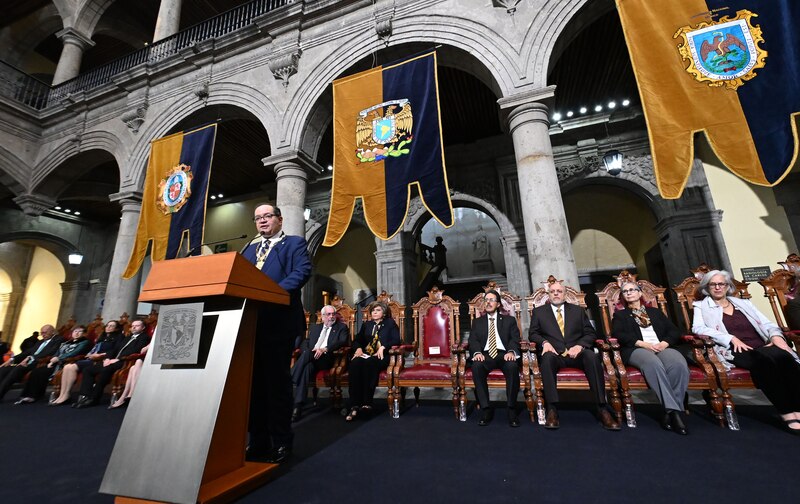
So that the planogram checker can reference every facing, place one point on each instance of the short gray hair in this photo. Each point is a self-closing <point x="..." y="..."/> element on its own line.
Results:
<point x="703" y="287"/>
<point x="322" y="310"/>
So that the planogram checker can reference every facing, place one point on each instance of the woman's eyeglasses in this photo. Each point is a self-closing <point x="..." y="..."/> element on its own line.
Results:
<point x="715" y="285"/>
<point x="628" y="291"/>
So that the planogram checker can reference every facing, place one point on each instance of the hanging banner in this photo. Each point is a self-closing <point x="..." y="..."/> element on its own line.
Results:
<point x="174" y="199"/>
<point x="387" y="136"/>
<point x="728" y="68"/>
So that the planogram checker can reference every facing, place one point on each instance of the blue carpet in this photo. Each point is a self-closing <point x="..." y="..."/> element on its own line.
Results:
<point x="58" y="455"/>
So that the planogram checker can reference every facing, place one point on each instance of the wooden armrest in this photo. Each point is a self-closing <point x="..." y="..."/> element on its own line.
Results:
<point x="132" y="357"/>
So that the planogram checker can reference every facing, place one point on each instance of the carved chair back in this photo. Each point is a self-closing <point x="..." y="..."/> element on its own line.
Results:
<point x="397" y="310"/>
<point x="687" y="292"/>
<point x="781" y="286"/>
<point x="436" y="327"/>
<point x="540" y="297"/>
<point x="610" y="297"/>
<point x="344" y="313"/>
<point x="510" y="304"/>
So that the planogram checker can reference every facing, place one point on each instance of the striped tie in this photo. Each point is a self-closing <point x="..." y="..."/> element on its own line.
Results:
<point x="492" y="339"/>
<point x="560" y="320"/>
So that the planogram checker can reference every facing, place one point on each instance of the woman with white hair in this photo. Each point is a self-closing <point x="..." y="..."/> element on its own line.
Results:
<point x="745" y="338"/>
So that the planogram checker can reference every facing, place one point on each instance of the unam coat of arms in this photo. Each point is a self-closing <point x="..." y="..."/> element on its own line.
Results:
<point x="384" y="131"/>
<point x="174" y="189"/>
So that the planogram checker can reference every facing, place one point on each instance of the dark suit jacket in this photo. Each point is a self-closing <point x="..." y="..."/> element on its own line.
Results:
<point x="577" y="328"/>
<point x="388" y="334"/>
<point x="121" y="350"/>
<point x="627" y="331"/>
<point x="289" y="266"/>
<point x="507" y="330"/>
<point x="48" y="351"/>
<point x="336" y="339"/>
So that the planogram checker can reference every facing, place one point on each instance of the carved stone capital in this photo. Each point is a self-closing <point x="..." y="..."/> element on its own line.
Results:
<point x="201" y="91"/>
<point x="509" y="5"/>
<point x="383" y="13"/>
<point x="134" y="117"/>
<point x="74" y="37"/>
<point x="34" y="204"/>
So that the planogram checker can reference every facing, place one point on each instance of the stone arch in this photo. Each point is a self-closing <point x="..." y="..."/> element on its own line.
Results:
<point x="475" y="49"/>
<point x="90" y="140"/>
<point x="44" y="23"/>
<point x="57" y="245"/>
<point x="86" y="18"/>
<point x="419" y="215"/>
<point x="248" y="98"/>
<point x="14" y="173"/>
<point x="317" y="226"/>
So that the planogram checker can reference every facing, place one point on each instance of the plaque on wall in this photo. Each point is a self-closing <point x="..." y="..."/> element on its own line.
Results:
<point x="755" y="273"/>
<point x="178" y="334"/>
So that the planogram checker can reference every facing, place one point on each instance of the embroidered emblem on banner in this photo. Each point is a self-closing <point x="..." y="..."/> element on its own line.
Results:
<point x="384" y="130"/>
<point x="723" y="52"/>
<point x="175" y="189"/>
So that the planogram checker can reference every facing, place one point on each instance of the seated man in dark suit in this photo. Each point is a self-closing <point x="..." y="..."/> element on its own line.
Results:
<point x="317" y="354"/>
<point x="99" y="374"/>
<point x="564" y="338"/>
<point x="493" y="344"/>
<point x="15" y="369"/>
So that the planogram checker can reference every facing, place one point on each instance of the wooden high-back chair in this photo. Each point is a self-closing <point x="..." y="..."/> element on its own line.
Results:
<point x="435" y="351"/>
<point x="569" y="378"/>
<point x="781" y="286"/>
<point x="610" y="297"/>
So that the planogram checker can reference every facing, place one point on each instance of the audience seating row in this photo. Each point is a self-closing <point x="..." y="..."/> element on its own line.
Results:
<point x="437" y="357"/>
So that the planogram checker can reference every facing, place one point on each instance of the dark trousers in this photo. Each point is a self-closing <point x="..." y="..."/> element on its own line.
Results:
<point x="305" y="370"/>
<point x="96" y="377"/>
<point x="10" y="375"/>
<point x="364" y="374"/>
<point x="587" y="360"/>
<point x="480" y="374"/>
<point x="37" y="382"/>
<point x="271" y="392"/>
<point x="776" y="373"/>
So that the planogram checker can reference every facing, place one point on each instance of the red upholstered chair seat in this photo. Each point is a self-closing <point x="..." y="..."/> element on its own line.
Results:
<point x="739" y="374"/>
<point x="634" y="375"/>
<point x="322" y="375"/>
<point x="571" y="374"/>
<point x="427" y="371"/>
<point x="696" y="374"/>
<point x="383" y="377"/>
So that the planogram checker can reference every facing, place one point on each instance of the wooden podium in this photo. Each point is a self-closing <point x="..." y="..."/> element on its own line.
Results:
<point x="184" y="435"/>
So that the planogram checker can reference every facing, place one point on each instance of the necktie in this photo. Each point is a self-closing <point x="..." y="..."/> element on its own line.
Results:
<point x="323" y="338"/>
<point x="560" y="320"/>
<point x="492" y="339"/>
<point x="119" y="354"/>
<point x="261" y="253"/>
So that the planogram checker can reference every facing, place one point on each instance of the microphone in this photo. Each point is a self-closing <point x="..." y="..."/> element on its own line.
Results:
<point x="191" y="250"/>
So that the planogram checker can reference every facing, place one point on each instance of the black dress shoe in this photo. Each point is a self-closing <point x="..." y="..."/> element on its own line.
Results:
<point x="278" y="455"/>
<point x="297" y="413"/>
<point x="608" y="421"/>
<point x="513" y="419"/>
<point x="81" y="399"/>
<point x="666" y="422"/>
<point x="486" y="417"/>
<point x="88" y="403"/>
<point x="677" y="423"/>
<point x="551" y="421"/>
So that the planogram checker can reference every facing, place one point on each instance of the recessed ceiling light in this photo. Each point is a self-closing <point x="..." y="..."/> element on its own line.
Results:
<point x="582" y="110"/>
<point x="77" y="213"/>
<point x="219" y="195"/>
<point x="598" y="108"/>
<point x="213" y="197"/>
<point x="67" y="210"/>
<point x="625" y="103"/>
<point x="330" y="168"/>
<point x="556" y="116"/>
<point x="570" y="113"/>
<point x="58" y="208"/>
<point x="612" y="104"/>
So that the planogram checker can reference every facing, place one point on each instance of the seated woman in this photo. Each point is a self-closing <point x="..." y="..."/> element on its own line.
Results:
<point x="371" y="356"/>
<point x="792" y="308"/>
<point x="745" y="338"/>
<point x="69" y="374"/>
<point x="39" y="378"/>
<point x="130" y="382"/>
<point x="645" y="336"/>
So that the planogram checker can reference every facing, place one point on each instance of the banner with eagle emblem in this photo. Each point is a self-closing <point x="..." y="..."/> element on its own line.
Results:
<point x="387" y="137"/>
<point x="174" y="199"/>
<point x="727" y="68"/>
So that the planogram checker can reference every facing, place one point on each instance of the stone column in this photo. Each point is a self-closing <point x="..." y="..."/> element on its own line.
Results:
<point x="121" y="294"/>
<point x="70" y="294"/>
<point x="292" y="170"/>
<point x="69" y="64"/>
<point x="169" y="19"/>
<point x="396" y="263"/>
<point x="546" y="232"/>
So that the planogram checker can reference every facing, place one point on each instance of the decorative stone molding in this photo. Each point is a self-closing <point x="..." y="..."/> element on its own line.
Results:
<point x="384" y="12"/>
<point x="509" y="5"/>
<point x="201" y="91"/>
<point x="34" y="205"/>
<point x="284" y="65"/>
<point x="134" y="117"/>
<point x="70" y="35"/>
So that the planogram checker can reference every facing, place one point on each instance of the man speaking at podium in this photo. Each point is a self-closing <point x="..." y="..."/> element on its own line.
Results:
<point x="285" y="260"/>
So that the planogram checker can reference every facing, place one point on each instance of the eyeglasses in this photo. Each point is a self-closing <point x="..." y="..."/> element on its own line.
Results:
<point x="491" y="300"/>
<point x="329" y="314"/>
<point x="715" y="285"/>
<point x="628" y="291"/>
<point x="264" y="217"/>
